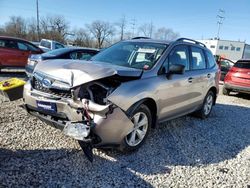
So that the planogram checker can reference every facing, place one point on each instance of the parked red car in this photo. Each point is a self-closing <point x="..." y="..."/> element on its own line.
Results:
<point x="238" y="78"/>
<point x="14" y="52"/>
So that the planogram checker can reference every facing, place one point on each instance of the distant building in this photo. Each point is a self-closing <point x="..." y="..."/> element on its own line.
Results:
<point x="246" y="53"/>
<point x="233" y="50"/>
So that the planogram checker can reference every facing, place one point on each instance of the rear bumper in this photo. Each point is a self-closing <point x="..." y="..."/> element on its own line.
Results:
<point x="237" y="87"/>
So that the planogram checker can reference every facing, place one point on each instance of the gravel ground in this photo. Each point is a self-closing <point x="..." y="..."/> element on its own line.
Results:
<point x="186" y="152"/>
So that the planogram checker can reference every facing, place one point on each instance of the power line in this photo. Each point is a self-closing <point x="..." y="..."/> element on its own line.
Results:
<point x="221" y="17"/>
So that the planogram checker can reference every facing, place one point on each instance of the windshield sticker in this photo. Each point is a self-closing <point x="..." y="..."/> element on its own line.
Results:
<point x="146" y="50"/>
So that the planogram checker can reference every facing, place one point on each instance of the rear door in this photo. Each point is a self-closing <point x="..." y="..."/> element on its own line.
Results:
<point x="199" y="75"/>
<point x="24" y="52"/>
<point x="10" y="54"/>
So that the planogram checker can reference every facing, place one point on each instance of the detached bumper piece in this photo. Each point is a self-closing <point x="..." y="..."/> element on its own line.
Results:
<point x="87" y="150"/>
<point x="80" y="132"/>
<point x="77" y="130"/>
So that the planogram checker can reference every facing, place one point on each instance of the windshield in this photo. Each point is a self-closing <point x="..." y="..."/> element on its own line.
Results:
<point x="56" y="52"/>
<point x="139" y="55"/>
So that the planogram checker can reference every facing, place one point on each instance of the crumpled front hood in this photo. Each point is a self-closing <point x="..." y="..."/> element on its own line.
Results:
<point x="77" y="72"/>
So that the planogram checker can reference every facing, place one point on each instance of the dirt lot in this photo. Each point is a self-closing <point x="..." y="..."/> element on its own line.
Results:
<point x="186" y="152"/>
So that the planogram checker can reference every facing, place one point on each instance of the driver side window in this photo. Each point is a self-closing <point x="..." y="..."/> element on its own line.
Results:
<point x="179" y="55"/>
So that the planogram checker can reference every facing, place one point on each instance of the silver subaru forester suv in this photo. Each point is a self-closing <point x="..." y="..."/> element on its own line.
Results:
<point x="116" y="98"/>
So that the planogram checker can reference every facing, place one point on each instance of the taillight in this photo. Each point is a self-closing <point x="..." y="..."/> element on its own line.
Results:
<point x="232" y="70"/>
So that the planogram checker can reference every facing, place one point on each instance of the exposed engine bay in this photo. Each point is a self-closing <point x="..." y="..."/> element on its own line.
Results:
<point x="98" y="91"/>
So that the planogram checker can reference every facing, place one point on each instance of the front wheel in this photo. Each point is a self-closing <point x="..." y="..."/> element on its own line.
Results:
<point x="142" y="120"/>
<point x="207" y="106"/>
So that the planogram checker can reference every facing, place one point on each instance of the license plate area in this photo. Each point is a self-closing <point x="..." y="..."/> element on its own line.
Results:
<point x="46" y="106"/>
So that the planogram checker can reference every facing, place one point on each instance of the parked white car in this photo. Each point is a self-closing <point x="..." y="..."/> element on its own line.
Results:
<point x="47" y="45"/>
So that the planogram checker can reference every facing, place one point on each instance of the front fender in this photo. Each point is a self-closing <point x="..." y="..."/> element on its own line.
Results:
<point x="129" y="93"/>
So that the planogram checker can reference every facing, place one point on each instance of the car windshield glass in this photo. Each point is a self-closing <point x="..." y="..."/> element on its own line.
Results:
<point x="139" y="55"/>
<point x="243" y="64"/>
<point x="56" y="52"/>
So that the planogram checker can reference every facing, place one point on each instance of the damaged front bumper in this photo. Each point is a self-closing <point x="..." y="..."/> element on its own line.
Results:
<point x="107" y="124"/>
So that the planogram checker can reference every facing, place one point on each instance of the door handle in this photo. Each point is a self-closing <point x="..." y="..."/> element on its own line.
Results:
<point x="208" y="75"/>
<point x="190" y="80"/>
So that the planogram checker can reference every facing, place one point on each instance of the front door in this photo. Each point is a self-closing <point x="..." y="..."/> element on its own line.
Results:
<point x="176" y="92"/>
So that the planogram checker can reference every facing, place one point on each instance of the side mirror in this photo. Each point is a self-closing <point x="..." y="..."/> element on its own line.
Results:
<point x="177" y="69"/>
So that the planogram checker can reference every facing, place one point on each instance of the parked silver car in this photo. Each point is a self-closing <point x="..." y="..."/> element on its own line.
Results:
<point x="125" y="91"/>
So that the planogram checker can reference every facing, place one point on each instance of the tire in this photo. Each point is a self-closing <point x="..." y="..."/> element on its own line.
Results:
<point x="207" y="106"/>
<point x="225" y="91"/>
<point x="133" y="141"/>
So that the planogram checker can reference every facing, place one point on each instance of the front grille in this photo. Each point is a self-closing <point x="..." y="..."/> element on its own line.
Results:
<point x="56" y="92"/>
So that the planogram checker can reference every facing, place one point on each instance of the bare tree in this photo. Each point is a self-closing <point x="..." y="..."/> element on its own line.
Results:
<point x="83" y="38"/>
<point x="101" y="31"/>
<point x="16" y="27"/>
<point x="166" y="34"/>
<point x="32" y="30"/>
<point x="54" y="27"/>
<point x="146" y="29"/>
<point x="122" y="26"/>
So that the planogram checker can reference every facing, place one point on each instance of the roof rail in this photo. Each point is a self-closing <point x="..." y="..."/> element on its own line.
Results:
<point x="140" y="38"/>
<point x="190" y="40"/>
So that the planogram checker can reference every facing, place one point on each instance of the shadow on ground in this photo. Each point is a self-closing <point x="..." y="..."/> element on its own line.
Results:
<point x="186" y="141"/>
<point x="241" y="95"/>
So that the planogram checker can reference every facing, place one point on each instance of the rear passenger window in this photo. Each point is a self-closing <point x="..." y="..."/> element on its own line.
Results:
<point x="179" y="55"/>
<point x="80" y="55"/>
<point x="58" y="46"/>
<point x="211" y="59"/>
<point x="22" y="46"/>
<point x="198" y="58"/>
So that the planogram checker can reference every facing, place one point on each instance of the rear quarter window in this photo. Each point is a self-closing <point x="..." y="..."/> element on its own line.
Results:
<point x="210" y="59"/>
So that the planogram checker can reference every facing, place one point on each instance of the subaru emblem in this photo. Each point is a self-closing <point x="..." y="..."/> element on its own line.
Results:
<point x="47" y="83"/>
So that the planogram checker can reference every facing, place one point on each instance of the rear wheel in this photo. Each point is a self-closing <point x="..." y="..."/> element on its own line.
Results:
<point x="142" y="120"/>
<point x="225" y="91"/>
<point x="207" y="106"/>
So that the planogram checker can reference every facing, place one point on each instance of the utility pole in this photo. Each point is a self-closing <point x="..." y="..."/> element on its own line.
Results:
<point x="37" y="21"/>
<point x="221" y="17"/>
<point x="133" y="23"/>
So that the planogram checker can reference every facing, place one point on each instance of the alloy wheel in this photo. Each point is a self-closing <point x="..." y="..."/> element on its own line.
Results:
<point x="208" y="104"/>
<point x="139" y="131"/>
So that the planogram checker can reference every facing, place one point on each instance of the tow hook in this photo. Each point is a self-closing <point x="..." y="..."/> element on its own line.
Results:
<point x="87" y="149"/>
